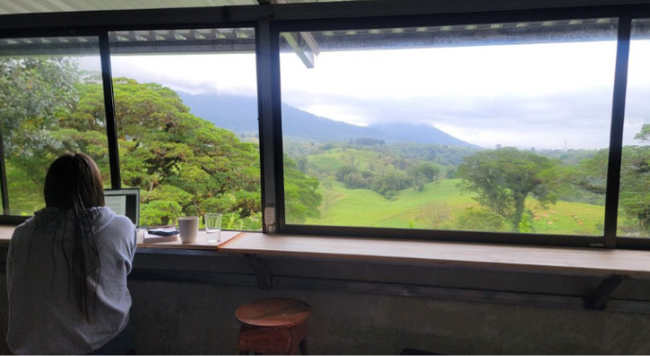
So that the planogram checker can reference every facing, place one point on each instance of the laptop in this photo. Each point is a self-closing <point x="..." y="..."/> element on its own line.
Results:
<point x="124" y="202"/>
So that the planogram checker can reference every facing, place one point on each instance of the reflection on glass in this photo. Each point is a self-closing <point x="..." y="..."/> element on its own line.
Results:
<point x="51" y="101"/>
<point x="186" y="116"/>
<point x="492" y="127"/>
<point x="634" y="200"/>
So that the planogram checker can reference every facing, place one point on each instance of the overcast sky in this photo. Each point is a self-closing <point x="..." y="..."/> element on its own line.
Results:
<point x="537" y="95"/>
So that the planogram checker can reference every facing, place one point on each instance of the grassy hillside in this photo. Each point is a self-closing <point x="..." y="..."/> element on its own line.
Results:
<point x="332" y="160"/>
<point x="412" y="209"/>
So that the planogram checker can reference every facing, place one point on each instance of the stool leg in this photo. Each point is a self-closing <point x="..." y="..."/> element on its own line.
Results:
<point x="240" y="343"/>
<point x="303" y="347"/>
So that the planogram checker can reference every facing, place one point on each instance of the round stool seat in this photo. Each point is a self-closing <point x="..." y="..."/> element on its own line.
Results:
<point x="273" y="326"/>
<point x="273" y="313"/>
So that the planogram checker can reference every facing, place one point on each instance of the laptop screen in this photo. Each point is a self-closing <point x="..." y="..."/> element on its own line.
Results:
<point x="124" y="202"/>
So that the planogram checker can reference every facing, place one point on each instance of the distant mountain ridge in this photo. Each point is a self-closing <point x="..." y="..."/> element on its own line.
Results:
<point x="239" y="114"/>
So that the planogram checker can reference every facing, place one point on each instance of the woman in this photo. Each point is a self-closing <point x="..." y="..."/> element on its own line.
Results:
<point x="67" y="268"/>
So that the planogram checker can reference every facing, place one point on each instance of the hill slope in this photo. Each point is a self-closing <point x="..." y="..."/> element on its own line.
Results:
<point x="239" y="114"/>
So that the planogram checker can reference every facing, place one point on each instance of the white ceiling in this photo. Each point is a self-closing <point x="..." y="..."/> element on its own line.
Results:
<point x="34" y="6"/>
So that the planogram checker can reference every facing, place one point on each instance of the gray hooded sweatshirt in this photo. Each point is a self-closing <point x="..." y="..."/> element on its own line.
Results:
<point x="43" y="315"/>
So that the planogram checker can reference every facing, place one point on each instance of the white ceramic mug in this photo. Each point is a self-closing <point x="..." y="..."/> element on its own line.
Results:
<point x="188" y="227"/>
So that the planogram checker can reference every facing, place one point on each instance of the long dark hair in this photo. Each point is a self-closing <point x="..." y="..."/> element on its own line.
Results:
<point x="74" y="186"/>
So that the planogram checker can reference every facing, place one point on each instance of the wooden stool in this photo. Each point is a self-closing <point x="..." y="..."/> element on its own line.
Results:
<point x="273" y="326"/>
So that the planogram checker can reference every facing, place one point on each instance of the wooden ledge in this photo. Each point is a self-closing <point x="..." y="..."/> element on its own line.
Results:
<point x="554" y="260"/>
<point x="200" y="244"/>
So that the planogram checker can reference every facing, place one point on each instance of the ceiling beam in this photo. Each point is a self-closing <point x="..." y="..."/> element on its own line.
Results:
<point x="307" y="57"/>
<point x="83" y="5"/>
<point x="12" y="7"/>
<point x="38" y="6"/>
<point x="303" y="43"/>
<point x="246" y="15"/>
<point x="61" y="6"/>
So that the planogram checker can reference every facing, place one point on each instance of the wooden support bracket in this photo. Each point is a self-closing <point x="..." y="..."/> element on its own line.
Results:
<point x="261" y="271"/>
<point x="598" y="299"/>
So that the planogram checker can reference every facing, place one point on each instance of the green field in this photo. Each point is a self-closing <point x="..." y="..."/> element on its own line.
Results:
<point x="410" y="209"/>
<point x="332" y="160"/>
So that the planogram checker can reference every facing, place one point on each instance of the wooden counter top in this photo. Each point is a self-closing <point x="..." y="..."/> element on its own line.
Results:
<point x="200" y="244"/>
<point x="572" y="261"/>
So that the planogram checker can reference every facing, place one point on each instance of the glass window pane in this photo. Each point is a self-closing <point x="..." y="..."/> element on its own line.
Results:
<point x="484" y="127"/>
<point x="51" y="101"/>
<point x="634" y="200"/>
<point x="186" y="116"/>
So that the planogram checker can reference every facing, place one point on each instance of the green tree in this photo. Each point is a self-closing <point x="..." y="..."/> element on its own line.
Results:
<point x="301" y="196"/>
<point x="423" y="173"/>
<point x="590" y="174"/>
<point x="481" y="220"/>
<point x="504" y="178"/>
<point x="175" y="157"/>
<point x="391" y="183"/>
<point x="43" y="115"/>
<point x="634" y="195"/>
<point x="343" y="172"/>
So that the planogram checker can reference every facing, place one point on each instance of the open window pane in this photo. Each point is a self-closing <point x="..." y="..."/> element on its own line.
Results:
<point x="498" y="127"/>
<point x="51" y="101"/>
<point x="186" y="116"/>
<point x="634" y="200"/>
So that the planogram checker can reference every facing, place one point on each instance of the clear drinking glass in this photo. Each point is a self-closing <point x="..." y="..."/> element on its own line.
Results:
<point x="212" y="228"/>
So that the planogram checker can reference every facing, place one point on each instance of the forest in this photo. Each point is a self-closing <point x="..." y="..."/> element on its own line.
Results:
<point x="179" y="161"/>
<point x="185" y="163"/>
<point x="460" y="188"/>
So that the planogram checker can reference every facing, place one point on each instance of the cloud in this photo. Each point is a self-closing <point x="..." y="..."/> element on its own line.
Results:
<point x="583" y="119"/>
<point x="538" y="95"/>
<point x="196" y="74"/>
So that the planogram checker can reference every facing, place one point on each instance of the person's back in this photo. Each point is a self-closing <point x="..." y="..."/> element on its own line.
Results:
<point x="43" y="316"/>
<point x="66" y="280"/>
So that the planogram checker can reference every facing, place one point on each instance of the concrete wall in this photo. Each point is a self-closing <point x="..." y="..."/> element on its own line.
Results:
<point x="198" y="318"/>
<point x="173" y="317"/>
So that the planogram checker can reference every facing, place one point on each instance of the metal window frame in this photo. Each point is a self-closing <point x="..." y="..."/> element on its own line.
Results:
<point x="622" y="242"/>
<point x="6" y="218"/>
<point x="109" y="107"/>
<point x="269" y="20"/>
<point x="268" y="130"/>
<point x="609" y="237"/>
<point x="616" y="131"/>
<point x="102" y="35"/>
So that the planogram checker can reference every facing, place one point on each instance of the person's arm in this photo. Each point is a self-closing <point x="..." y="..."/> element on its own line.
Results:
<point x="132" y="247"/>
<point x="129" y="244"/>
<point x="10" y="258"/>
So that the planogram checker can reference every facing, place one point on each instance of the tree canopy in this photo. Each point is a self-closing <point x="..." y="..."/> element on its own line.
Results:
<point x="504" y="178"/>
<point x="181" y="163"/>
<point x="634" y="193"/>
<point x="40" y="110"/>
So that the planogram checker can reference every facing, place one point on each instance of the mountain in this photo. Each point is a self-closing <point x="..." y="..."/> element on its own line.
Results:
<point x="421" y="134"/>
<point x="239" y="114"/>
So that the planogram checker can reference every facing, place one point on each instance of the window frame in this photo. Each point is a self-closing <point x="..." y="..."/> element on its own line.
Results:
<point x="8" y="219"/>
<point x="623" y="242"/>
<point x="102" y="35"/>
<point x="609" y="238"/>
<point x="269" y="20"/>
